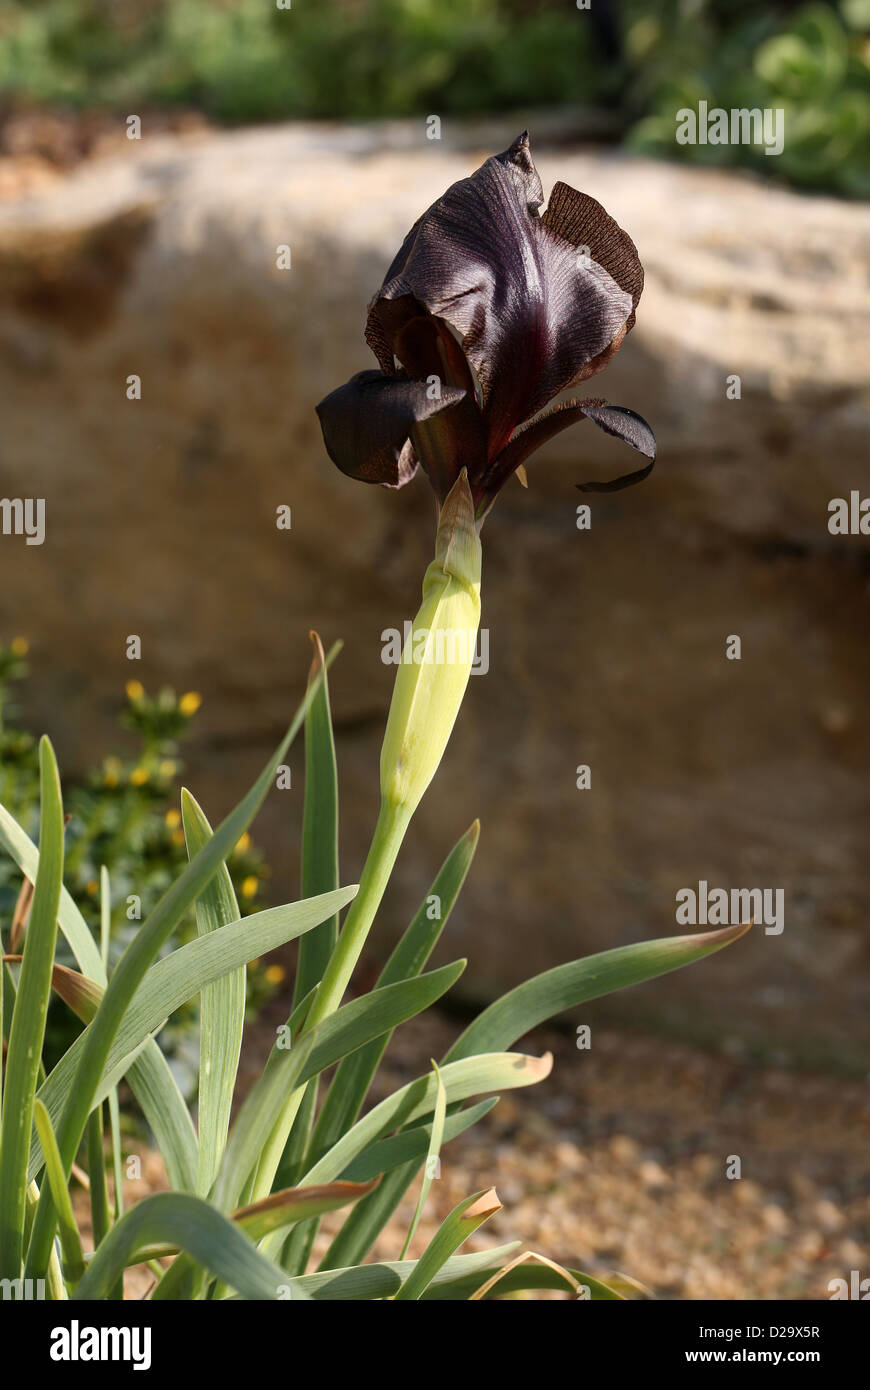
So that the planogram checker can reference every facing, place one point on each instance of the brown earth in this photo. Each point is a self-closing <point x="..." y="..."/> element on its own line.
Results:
<point x="617" y="1162"/>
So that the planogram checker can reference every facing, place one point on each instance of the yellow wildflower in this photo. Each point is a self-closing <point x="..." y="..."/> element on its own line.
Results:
<point x="111" y="772"/>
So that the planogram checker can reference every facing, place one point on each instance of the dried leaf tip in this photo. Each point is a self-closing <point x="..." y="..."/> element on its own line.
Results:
<point x="540" y="1067"/>
<point x="472" y="834"/>
<point x="20" y="915"/>
<point x="486" y="1205"/>
<point x="318" y="658"/>
<point x="725" y="935"/>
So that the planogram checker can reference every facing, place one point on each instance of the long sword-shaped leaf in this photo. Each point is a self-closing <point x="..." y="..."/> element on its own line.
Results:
<point x="362" y="1282"/>
<point x="21" y="848"/>
<point x="179" y="977"/>
<point x="185" y="1221"/>
<point x="319" y="875"/>
<point x="114" y="1109"/>
<point x="70" y="1240"/>
<point x="348" y="1028"/>
<point x="353" y="1078"/>
<point x="473" y="1076"/>
<point x="319" y="826"/>
<point x="525" y="1276"/>
<point x="128" y="975"/>
<point x="151" y="1082"/>
<point x="278" y="1211"/>
<point x="150" y="1077"/>
<point x="432" y="1159"/>
<point x="413" y="1143"/>
<point x="510" y="1018"/>
<point x="222" y="1008"/>
<point x="369" y="1217"/>
<point x="28" y="1019"/>
<point x="462" y="1222"/>
<point x="163" y="1107"/>
<point x="282" y="1209"/>
<point x="566" y="986"/>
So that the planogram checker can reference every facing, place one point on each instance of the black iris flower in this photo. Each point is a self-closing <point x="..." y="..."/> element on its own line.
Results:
<point x="488" y="312"/>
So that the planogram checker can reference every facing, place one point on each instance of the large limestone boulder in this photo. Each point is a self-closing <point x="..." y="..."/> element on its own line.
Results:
<point x="607" y="646"/>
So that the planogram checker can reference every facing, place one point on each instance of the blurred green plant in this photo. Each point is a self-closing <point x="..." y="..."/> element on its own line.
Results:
<point x="813" y="64"/>
<point x="245" y="60"/>
<point x="122" y="816"/>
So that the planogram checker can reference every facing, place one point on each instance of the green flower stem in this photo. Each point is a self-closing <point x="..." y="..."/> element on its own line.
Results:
<point x="54" y="1274"/>
<point x="431" y="680"/>
<point x="430" y="683"/>
<point x="386" y="843"/>
<point x="387" y="840"/>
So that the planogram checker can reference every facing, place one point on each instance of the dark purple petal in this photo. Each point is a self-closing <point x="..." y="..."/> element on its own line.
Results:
<point x="531" y="314"/>
<point x="581" y="220"/>
<point x="634" y="430"/>
<point x="614" y="419"/>
<point x="367" y="425"/>
<point x="617" y="484"/>
<point x="456" y="438"/>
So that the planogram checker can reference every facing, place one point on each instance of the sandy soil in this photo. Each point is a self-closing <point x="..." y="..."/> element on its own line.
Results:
<point x="618" y="1162"/>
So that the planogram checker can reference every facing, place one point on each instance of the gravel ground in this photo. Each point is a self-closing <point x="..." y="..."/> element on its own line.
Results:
<point x="618" y="1162"/>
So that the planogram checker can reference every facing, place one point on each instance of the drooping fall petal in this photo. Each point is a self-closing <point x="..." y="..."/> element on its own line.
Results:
<point x="613" y="419"/>
<point x="367" y="424"/>
<point x="632" y="429"/>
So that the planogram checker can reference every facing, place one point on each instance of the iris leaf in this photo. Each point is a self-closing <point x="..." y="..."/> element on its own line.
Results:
<point x="28" y="1018"/>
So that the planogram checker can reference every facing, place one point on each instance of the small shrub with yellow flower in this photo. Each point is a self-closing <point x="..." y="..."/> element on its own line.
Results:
<point x="121" y="815"/>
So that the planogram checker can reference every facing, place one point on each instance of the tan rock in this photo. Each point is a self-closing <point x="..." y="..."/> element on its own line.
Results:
<point x="606" y="648"/>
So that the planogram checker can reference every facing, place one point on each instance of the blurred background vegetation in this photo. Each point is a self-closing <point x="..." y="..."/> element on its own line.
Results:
<point x="247" y="60"/>
<point x="123" y="815"/>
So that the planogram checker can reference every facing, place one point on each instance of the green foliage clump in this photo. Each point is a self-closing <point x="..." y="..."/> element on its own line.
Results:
<point x="813" y="64"/>
<point x="246" y="60"/>
<point x="248" y="1193"/>
<point x="122" y="815"/>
